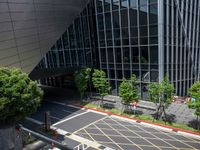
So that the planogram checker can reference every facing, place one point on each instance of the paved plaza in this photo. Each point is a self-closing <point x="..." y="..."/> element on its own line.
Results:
<point x="101" y="131"/>
<point x="181" y="112"/>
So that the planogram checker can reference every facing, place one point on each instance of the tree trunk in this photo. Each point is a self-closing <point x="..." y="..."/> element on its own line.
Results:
<point x="158" y="112"/>
<point x="198" y="123"/>
<point x="101" y="105"/>
<point x="165" y="115"/>
<point x="10" y="139"/>
<point x="81" y="97"/>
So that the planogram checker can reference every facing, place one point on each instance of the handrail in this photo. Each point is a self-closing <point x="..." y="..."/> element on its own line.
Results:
<point x="46" y="139"/>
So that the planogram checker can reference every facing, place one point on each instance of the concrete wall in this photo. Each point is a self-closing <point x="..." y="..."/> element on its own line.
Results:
<point x="10" y="139"/>
<point x="28" y="28"/>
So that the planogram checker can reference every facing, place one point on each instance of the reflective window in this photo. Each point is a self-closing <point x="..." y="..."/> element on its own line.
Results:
<point x="133" y="3"/>
<point x="124" y="4"/>
<point x="100" y="22"/>
<point x="143" y="18"/>
<point x="107" y="5"/>
<point x="116" y="33"/>
<point x="126" y="55"/>
<point x="115" y="19"/>
<point x="118" y="55"/>
<point x="108" y="20"/>
<point x="134" y="32"/>
<point x="154" y="54"/>
<point x="133" y="17"/>
<point x="115" y="4"/>
<point x="99" y="6"/>
<point x="124" y="18"/>
<point x="124" y="32"/>
<point x="153" y="30"/>
<point x="142" y="2"/>
<point x="144" y="55"/>
<point x="153" y="14"/>
<point x="103" y="54"/>
<point x="135" y="54"/>
<point x="110" y="55"/>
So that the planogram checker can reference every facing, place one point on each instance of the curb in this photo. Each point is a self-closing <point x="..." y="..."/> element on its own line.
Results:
<point x="165" y="127"/>
<point x="151" y="124"/>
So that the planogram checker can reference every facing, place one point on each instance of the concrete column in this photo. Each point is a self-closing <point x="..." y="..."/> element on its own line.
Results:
<point x="10" y="138"/>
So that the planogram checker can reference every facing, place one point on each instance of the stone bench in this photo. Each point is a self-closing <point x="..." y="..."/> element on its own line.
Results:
<point x="108" y="103"/>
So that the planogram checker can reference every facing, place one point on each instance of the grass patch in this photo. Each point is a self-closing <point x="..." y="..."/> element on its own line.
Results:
<point x="143" y="117"/>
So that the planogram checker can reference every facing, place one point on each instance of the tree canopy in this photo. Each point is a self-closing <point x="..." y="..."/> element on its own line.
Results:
<point x="81" y="79"/>
<point x="19" y="95"/>
<point x="100" y="82"/>
<point x="194" y="92"/>
<point x="128" y="90"/>
<point x="161" y="94"/>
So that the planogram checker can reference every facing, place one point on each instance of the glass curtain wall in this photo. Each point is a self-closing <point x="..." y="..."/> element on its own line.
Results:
<point x="76" y="47"/>
<point x="182" y="43"/>
<point x="128" y="41"/>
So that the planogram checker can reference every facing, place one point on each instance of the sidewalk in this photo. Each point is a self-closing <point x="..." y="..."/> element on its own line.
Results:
<point x="181" y="111"/>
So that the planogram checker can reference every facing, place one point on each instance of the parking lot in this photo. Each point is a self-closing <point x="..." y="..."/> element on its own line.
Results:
<point x="107" y="132"/>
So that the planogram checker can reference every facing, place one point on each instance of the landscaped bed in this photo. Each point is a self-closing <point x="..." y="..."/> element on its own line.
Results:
<point x="146" y="118"/>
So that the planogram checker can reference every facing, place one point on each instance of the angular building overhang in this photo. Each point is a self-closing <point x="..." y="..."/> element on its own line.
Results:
<point x="28" y="29"/>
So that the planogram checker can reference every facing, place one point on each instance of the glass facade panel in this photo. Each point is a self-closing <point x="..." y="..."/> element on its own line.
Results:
<point x="122" y="37"/>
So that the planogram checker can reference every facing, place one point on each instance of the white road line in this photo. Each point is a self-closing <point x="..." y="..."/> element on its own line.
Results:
<point x="156" y="126"/>
<point x="125" y="119"/>
<point x="104" y="134"/>
<point x="74" y="106"/>
<point x="34" y="120"/>
<point x="85" y="141"/>
<point x="68" y="111"/>
<point x="134" y="132"/>
<point x="63" y="104"/>
<point x="55" y="102"/>
<point x="79" y="139"/>
<point x="97" y="112"/>
<point x="69" y="118"/>
<point x="188" y="134"/>
<point x="55" y="118"/>
<point x="60" y="131"/>
<point x="122" y="135"/>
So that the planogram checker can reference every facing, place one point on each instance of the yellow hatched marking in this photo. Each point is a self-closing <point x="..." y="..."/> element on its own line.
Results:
<point x="136" y="133"/>
<point x="108" y="137"/>
<point x="156" y="137"/>
<point x="179" y="141"/>
<point x="89" y="135"/>
<point x="88" y="125"/>
<point x="122" y="135"/>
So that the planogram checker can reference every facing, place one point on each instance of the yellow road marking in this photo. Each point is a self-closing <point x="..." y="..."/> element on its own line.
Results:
<point x="136" y="133"/>
<point x="88" y="125"/>
<point x="122" y="135"/>
<point x="89" y="135"/>
<point x="109" y="138"/>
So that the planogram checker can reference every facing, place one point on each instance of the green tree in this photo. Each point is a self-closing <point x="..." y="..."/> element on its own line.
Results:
<point x="161" y="94"/>
<point x="81" y="80"/>
<point x="19" y="97"/>
<point x="100" y="82"/>
<point x="128" y="91"/>
<point x="194" y="92"/>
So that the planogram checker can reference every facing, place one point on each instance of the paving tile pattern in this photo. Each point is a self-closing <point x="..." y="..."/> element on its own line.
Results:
<point x="122" y="135"/>
<point x="181" y="111"/>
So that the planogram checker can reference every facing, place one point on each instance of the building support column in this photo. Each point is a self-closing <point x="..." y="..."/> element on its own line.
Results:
<point x="161" y="39"/>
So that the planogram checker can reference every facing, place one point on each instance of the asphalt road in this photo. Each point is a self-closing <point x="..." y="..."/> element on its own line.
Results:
<point x="109" y="132"/>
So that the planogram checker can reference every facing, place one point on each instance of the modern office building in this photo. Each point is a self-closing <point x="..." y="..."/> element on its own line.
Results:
<point x="148" y="38"/>
<point x="29" y="28"/>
